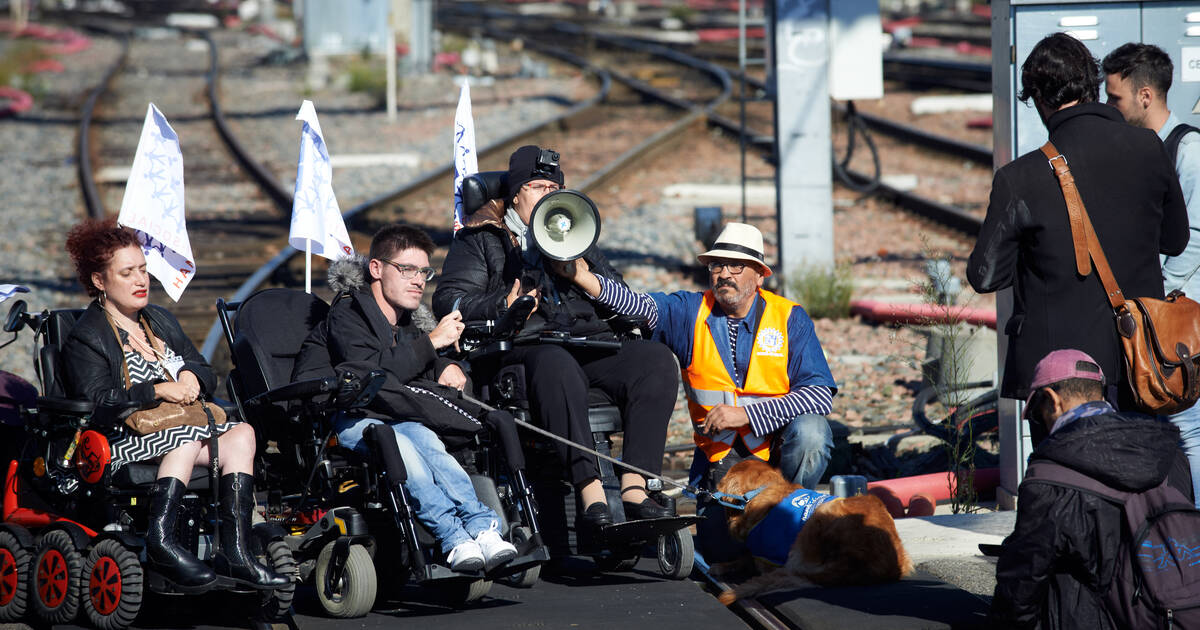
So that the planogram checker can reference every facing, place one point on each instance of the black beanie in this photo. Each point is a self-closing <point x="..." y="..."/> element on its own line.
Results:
<point x="523" y="168"/>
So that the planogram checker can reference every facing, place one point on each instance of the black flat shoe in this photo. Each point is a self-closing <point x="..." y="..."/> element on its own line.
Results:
<point x="647" y="509"/>
<point x="596" y="515"/>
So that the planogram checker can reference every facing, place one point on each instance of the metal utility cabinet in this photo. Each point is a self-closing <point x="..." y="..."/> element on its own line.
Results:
<point x="1017" y="25"/>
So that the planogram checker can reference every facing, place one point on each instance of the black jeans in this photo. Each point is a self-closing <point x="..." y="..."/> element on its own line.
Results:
<point x="642" y="380"/>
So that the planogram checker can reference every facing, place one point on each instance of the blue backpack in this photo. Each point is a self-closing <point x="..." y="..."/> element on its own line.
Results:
<point x="1156" y="583"/>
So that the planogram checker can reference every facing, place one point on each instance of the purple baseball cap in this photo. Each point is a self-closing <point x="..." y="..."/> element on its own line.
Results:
<point x="1061" y="365"/>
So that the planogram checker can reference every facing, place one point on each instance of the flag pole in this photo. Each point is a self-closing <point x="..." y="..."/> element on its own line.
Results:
<point x="308" y="265"/>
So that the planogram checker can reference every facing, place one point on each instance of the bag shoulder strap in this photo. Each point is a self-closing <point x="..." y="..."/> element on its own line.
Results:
<point x="1175" y="137"/>
<point x="1044" y="470"/>
<point x="1083" y="235"/>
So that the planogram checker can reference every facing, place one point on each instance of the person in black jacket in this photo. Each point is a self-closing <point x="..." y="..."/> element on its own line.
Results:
<point x="374" y="325"/>
<point x="1129" y="188"/>
<point x="490" y="264"/>
<point x="125" y="353"/>
<point x="1058" y="562"/>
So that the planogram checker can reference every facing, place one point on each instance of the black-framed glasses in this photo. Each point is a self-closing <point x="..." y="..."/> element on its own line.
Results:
<point x="543" y="188"/>
<point x="734" y="268"/>
<point x="408" y="272"/>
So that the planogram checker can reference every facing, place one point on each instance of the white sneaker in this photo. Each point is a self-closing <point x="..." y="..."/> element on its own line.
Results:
<point x="465" y="556"/>
<point x="496" y="550"/>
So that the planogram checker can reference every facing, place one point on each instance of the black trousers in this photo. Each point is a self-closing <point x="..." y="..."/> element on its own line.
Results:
<point x="642" y="379"/>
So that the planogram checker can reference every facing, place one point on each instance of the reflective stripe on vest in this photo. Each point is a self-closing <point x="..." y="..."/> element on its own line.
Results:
<point x="707" y="383"/>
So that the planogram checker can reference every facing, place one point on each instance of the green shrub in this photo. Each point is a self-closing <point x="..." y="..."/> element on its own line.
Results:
<point x="824" y="293"/>
<point x="369" y="77"/>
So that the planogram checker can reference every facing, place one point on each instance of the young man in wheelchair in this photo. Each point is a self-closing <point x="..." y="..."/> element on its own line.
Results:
<point x="374" y="327"/>
<point x="491" y="263"/>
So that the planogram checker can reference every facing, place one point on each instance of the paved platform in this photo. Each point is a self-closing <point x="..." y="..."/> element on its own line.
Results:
<point x="575" y="597"/>
<point x="947" y="547"/>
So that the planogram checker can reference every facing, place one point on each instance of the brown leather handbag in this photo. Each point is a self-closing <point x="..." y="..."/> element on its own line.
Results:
<point x="167" y="415"/>
<point x="1157" y="336"/>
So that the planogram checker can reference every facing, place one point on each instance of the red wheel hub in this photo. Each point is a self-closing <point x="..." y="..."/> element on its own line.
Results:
<point x="52" y="579"/>
<point x="8" y="577"/>
<point x="105" y="586"/>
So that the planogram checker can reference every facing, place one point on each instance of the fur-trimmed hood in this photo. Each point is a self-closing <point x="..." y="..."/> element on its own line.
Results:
<point x="349" y="275"/>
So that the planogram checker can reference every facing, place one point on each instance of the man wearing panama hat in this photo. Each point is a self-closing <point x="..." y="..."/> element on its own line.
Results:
<point x="756" y="378"/>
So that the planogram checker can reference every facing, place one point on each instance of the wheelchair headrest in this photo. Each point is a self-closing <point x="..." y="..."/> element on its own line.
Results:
<point x="270" y="327"/>
<point x="58" y="327"/>
<point x="481" y="188"/>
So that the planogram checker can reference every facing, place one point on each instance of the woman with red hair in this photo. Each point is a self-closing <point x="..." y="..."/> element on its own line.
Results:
<point x="126" y="352"/>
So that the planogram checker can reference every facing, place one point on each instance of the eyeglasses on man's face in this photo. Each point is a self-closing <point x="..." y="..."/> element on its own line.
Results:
<point x="541" y="188"/>
<point x="408" y="272"/>
<point x="734" y="268"/>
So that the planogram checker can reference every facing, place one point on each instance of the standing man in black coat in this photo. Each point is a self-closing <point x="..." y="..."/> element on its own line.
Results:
<point x="1129" y="188"/>
<point x="490" y="264"/>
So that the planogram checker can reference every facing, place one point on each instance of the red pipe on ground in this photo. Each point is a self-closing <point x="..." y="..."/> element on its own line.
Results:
<point x="896" y="494"/>
<point x="922" y="314"/>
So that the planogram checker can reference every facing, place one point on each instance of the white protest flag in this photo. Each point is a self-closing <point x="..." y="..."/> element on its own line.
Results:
<point x="465" y="162"/>
<point x="317" y="225"/>
<point x="153" y="204"/>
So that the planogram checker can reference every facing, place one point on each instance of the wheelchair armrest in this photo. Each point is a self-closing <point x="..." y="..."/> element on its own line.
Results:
<point x="298" y="391"/>
<point x="65" y="406"/>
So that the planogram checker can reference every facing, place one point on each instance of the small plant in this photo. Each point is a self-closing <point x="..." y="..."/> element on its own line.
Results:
<point x="368" y="76"/>
<point x="824" y="293"/>
<point x="16" y="61"/>
<point x="682" y="13"/>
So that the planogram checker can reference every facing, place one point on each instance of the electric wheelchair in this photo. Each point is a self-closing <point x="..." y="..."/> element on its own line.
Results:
<point x="72" y="535"/>
<point x="614" y="547"/>
<point x="341" y="508"/>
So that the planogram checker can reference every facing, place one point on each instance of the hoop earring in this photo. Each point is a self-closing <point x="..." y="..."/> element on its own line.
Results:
<point x="103" y="297"/>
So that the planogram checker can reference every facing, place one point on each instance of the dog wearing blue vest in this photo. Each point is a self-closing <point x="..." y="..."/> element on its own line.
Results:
<point x="796" y="537"/>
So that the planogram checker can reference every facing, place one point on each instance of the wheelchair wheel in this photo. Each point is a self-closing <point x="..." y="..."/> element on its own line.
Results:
<point x="354" y="594"/>
<point x="114" y="586"/>
<point x="275" y="604"/>
<point x="527" y="578"/>
<point x="57" y="567"/>
<point x="14" y="578"/>
<point x="676" y="554"/>
<point x="618" y="560"/>
<point x="461" y="592"/>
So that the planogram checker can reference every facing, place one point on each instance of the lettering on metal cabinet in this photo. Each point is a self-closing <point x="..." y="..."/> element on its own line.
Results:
<point x="1190" y="63"/>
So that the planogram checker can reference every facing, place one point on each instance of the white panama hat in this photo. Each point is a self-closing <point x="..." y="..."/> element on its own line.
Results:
<point x="739" y="241"/>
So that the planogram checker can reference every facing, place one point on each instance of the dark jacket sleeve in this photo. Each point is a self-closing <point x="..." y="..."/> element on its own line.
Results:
<point x="167" y="328"/>
<point x="1174" y="233"/>
<point x="993" y="261"/>
<point x="88" y="374"/>
<point x="351" y="340"/>
<point x="1025" y="567"/>
<point x="465" y="278"/>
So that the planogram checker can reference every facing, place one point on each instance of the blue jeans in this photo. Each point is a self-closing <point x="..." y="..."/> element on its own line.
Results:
<point x="804" y="446"/>
<point x="1188" y="422"/>
<point x="443" y="497"/>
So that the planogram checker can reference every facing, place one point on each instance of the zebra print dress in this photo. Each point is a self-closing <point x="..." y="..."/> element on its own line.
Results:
<point x="129" y="447"/>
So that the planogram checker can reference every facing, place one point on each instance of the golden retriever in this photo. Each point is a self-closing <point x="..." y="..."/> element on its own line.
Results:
<point x="851" y="541"/>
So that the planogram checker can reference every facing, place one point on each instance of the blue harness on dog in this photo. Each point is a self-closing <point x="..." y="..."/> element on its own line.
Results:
<point x="773" y="536"/>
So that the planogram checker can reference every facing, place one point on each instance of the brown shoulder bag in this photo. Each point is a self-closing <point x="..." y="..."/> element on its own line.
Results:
<point x="1156" y="335"/>
<point x="167" y="415"/>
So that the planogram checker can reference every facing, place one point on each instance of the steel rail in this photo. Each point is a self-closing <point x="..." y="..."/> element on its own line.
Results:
<point x="83" y="145"/>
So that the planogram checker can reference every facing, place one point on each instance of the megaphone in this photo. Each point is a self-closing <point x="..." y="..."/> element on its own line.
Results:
<point x="564" y="224"/>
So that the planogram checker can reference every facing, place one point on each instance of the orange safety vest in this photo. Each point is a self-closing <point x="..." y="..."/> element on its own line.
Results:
<point x="707" y="383"/>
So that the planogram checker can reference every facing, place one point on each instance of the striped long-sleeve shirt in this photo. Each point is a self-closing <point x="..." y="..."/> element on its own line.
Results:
<point x="672" y="319"/>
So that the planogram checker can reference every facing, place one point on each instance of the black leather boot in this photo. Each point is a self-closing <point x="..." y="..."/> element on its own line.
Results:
<point x="163" y="550"/>
<point x="235" y="559"/>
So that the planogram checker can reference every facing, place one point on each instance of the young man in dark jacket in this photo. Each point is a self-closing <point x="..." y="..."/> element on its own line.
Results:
<point x="489" y="261"/>
<point x="374" y="326"/>
<point x="1131" y="193"/>
<point x="1056" y="565"/>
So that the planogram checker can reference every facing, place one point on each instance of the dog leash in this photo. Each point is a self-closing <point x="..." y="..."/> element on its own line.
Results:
<point x="736" y="502"/>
